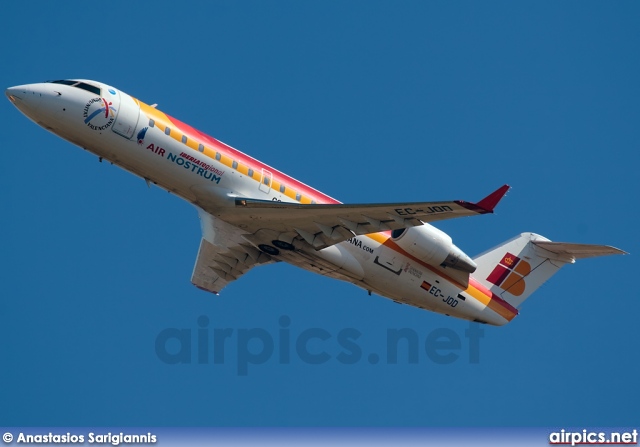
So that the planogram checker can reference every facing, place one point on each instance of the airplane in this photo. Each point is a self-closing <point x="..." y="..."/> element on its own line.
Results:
<point x="252" y="214"/>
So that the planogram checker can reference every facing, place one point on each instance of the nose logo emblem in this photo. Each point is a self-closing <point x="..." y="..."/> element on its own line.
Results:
<point x="99" y="114"/>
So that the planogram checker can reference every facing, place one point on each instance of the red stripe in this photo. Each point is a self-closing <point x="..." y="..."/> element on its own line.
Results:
<point x="310" y="192"/>
<point x="251" y="162"/>
<point x="474" y="283"/>
<point x="494" y="299"/>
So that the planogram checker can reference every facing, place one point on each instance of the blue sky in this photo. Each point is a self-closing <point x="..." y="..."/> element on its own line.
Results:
<point x="368" y="102"/>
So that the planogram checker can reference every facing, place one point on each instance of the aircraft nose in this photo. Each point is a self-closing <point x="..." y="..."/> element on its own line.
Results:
<point x="15" y="93"/>
<point x="26" y="98"/>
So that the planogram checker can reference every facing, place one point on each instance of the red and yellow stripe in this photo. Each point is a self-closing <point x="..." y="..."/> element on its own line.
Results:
<point x="474" y="288"/>
<point x="294" y="189"/>
<point x="303" y="193"/>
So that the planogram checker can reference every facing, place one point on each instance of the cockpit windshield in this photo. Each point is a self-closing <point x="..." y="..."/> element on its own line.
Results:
<point x="78" y="84"/>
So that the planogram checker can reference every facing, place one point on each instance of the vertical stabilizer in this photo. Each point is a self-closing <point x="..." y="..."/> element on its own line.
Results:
<point x="516" y="268"/>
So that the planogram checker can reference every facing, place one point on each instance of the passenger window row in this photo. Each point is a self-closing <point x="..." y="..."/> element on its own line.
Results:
<point x="233" y="164"/>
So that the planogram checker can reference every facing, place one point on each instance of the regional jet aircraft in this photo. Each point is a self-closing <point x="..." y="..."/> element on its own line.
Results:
<point x="253" y="214"/>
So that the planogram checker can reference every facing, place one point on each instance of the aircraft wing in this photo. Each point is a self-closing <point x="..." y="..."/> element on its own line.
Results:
<point x="223" y="256"/>
<point x="328" y="224"/>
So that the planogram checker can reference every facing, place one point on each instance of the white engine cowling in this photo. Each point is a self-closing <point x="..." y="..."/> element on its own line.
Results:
<point x="434" y="247"/>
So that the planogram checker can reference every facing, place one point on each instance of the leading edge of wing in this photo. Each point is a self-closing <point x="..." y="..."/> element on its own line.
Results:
<point x="405" y="209"/>
<point x="323" y="225"/>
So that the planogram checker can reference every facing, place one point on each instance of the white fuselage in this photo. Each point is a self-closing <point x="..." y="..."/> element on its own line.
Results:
<point x="211" y="175"/>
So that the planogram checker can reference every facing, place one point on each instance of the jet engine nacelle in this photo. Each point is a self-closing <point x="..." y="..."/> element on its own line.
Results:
<point x="434" y="247"/>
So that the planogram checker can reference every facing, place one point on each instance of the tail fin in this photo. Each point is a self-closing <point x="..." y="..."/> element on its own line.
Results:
<point x="516" y="268"/>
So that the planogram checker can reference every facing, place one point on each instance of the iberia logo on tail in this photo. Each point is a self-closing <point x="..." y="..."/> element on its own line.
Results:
<point x="509" y="274"/>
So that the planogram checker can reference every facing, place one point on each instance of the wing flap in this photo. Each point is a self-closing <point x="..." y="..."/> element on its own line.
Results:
<point x="322" y="225"/>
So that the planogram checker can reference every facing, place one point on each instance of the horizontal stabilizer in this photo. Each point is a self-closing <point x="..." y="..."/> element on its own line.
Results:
<point x="578" y="251"/>
<point x="516" y="268"/>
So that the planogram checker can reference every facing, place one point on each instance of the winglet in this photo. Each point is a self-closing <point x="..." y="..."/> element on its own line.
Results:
<point x="490" y="202"/>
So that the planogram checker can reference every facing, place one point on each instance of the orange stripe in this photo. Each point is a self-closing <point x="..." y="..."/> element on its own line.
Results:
<point x="474" y="289"/>
<point x="306" y="193"/>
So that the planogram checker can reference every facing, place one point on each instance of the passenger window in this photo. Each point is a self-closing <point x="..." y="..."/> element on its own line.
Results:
<point x="298" y="196"/>
<point x="218" y="156"/>
<point x="250" y="173"/>
<point x="282" y="188"/>
<point x="201" y="148"/>
<point x="234" y="165"/>
<point x="152" y="123"/>
<point x="184" y="139"/>
<point x="167" y="130"/>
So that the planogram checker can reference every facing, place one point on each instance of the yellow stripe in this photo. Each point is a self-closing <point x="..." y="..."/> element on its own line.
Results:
<point x="162" y="121"/>
<point x="505" y="313"/>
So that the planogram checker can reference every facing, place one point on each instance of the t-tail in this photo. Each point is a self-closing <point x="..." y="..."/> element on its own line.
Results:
<point x="516" y="268"/>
